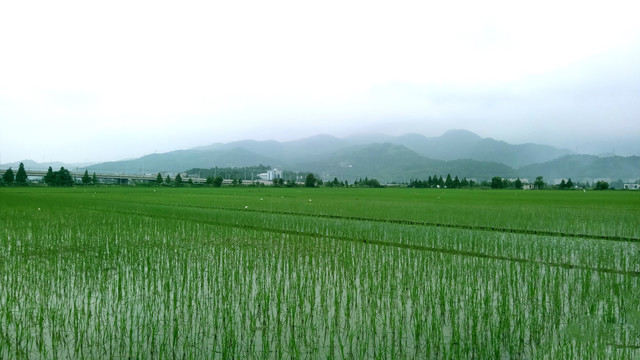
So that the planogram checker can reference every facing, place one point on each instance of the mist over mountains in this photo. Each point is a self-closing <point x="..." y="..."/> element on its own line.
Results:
<point x="388" y="158"/>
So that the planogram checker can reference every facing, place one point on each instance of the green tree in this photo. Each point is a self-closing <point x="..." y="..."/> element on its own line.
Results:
<point x="21" y="175"/>
<point x="8" y="176"/>
<point x="518" y="183"/>
<point x="159" y="179"/>
<point x="602" y="185"/>
<point x="496" y="182"/>
<point x="570" y="184"/>
<point x="217" y="181"/>
<point x="178" y="180"/>
<point x="86" y="179"/>
<point x="167" y="181"/>
<point x="448" y="183"/>
<point x="49" y="178"/>
<point x="456" y="182"/>
<point x="310" y="181"/>
<point x="94" y="179"/>
<point x="539" y="183"/>
<point x="62" y="177"/>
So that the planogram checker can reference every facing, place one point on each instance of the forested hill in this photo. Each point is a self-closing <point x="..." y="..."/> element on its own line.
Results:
<point x="586" y="166"/>
<point x="389" y="158"/>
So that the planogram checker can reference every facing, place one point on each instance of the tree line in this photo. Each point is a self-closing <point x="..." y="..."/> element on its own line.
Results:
<point x="440" y="182"/>
<point x="61" y="177"/>
<point x="20" y="178"/>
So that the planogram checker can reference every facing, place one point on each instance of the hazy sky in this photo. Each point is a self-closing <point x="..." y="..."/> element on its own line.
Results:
<point x="96" y="81"/>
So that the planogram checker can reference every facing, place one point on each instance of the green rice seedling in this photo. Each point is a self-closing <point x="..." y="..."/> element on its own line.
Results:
<point x="369" y="274"/>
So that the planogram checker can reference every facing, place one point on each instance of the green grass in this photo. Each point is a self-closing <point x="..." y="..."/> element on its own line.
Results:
<point x="318" y="273"/>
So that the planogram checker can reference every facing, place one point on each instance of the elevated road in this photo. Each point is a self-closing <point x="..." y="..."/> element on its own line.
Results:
<point x="126" y="178"/>
<point x="112" y="178"/>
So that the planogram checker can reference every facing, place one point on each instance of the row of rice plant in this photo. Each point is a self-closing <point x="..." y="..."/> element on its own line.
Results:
<point x="82" y="278"/>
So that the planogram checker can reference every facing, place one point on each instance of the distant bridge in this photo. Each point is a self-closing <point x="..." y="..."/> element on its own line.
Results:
<point x="125" y="179"/>
<point x="114" y="178"/>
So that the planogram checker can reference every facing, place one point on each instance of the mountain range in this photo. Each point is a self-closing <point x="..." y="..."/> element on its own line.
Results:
<point x="390" y="158"/>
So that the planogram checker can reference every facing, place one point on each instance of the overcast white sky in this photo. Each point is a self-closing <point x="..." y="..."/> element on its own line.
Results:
<point x="97" y="81"/>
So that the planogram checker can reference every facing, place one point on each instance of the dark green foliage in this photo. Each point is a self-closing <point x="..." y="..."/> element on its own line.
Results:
<point x="449" y="182"/>
<point x="497" y="182"/>
<point x="49" y="177"/>
<point x="335" y="183"/>
<point x="8" y="176"/>
<point x="167" y="181"/>
<point x="518" y="183"/>
<point x="566" y="185"/>
<point x="310" y="180"/>
<point x="601" y="185"/>
<point x="21" y="175"/>
<point x="159" y="179"/>
<point x="456" y="183"/>
<point x="539" y="183"/>
<point x="217" y="181"/>
<point x="434" y="182"/>
<point x="94" y="179"/>
<point x="61" y="177"/>
<point x="370" y="183"/>
<point x="86" y="179"/>
<point x="178" y="180"/>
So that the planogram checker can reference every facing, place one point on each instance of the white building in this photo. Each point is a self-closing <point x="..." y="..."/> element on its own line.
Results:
<point x="632" y="186"/>
<point x="271" y="175"/>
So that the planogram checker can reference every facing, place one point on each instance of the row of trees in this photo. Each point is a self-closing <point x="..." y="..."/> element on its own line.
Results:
<point x="61" y="177"/>
<point x="499" y="183"/>
<point x="177" y="181"/>
<point x="19" y="178"/>
<point x="435" y="182"/>
<point x="370" y="183"/>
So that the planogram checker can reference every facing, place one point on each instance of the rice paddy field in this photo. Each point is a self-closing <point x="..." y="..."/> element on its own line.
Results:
<point x="266" y="273"/>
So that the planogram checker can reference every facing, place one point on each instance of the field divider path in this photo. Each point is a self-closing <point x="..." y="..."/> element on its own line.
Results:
<point x="316" y="235"/>
<point x="533" y="232"/>
<point x="451" y="226"/>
